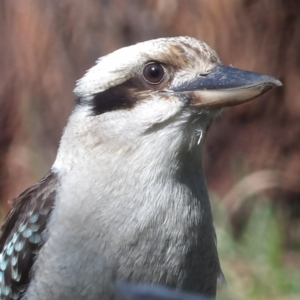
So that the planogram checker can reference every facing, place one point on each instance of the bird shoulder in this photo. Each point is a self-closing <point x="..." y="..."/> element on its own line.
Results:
<point x="22" y="235"/>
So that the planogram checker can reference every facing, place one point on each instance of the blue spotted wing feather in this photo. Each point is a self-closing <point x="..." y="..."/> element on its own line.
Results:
<point x="22" y="236"/>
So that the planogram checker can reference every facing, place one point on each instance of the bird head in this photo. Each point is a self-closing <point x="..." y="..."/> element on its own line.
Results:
<point x="177" y="84"/>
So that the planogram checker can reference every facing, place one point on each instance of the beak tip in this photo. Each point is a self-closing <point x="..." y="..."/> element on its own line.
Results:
<point x="274" y="81"/>
<point x="268" y="83"/>
<point x="278" y="83"/>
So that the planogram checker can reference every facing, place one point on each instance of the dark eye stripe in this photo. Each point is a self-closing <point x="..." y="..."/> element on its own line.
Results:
<point x="122" y="96"/>
<point x="115" y="98"/>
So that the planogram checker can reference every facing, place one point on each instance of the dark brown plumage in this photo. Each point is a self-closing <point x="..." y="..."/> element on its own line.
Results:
<point x="22" y="235"/>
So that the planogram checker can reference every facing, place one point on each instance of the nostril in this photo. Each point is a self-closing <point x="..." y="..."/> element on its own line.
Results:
<point x="203" y="74"/>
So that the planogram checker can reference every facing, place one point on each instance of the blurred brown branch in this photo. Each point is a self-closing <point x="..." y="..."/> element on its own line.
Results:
<point x="258" y="182"/>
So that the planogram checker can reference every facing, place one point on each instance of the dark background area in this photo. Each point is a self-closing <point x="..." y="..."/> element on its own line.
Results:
<point x="252" y="152"/>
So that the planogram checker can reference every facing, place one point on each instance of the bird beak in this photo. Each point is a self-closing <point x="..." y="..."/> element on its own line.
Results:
<point x="226" y="86"/>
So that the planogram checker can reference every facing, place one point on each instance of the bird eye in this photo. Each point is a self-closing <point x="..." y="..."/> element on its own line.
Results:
<point x="154" y="73"/>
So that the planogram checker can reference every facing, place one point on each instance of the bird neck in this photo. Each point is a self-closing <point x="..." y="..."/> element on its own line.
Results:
<point x="157" y="168"/>
<point x="117" y="196"/>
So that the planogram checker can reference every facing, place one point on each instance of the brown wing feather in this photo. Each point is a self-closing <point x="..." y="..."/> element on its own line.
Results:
<point x="21" y="235"/>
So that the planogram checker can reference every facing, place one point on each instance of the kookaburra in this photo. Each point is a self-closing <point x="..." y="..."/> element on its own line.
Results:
<point x="126" y="197"/>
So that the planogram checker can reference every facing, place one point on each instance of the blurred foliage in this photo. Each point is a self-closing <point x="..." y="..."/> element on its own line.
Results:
<point x="256" y="264"/>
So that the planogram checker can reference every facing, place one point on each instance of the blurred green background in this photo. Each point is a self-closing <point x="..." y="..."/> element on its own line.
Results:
<point x="252" y="152"/>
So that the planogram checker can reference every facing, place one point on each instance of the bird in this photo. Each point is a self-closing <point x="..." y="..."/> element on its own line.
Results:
<point x="127" y="291"/>
<point x="126" y="198"/>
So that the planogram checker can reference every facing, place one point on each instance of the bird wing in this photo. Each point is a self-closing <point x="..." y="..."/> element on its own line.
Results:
<point x="22" y="235"/>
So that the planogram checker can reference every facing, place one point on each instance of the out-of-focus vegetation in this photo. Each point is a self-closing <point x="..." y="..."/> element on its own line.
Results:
<point x="46" y="45"/>
<point x="261" y="257"/>
<point x="256" y="264"/>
